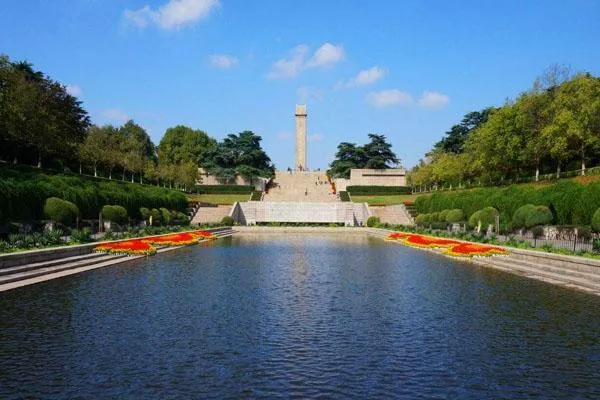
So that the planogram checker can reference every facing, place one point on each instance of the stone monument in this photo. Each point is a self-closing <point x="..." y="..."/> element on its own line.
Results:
<point x="300" y="138"/>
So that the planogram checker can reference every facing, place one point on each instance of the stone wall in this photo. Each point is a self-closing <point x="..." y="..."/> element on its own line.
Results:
<point x="373" y="177"/>
<point x="253" y="212"/>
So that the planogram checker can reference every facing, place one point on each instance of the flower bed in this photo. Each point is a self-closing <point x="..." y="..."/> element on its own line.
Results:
<point x="145" y="246"/>
<point x="452" y="247"/>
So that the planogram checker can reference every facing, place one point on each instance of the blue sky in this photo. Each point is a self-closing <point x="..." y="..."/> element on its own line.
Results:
<point x="405" y="69"/>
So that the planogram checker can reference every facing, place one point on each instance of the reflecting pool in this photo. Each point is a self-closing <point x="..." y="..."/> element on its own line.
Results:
<point x="299" y="316"/>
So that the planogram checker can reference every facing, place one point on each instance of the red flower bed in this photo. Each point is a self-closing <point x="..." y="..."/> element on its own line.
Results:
<point x="472" y="249"/>
<point x="176" y="239"/>
<point x="132" y="247"/>
<point x="453" y="247"/>
<point x="203" y="234"/>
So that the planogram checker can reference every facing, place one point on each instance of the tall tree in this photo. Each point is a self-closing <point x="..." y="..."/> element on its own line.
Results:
<point x="378" y="153"/>
<point x="181" y="144"/>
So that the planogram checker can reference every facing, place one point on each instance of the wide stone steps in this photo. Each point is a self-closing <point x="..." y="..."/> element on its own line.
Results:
<point x="564" y="276"/>
<point x="300" y="187"/>
<point x="210" y="214"/>
<point x="29" y="271"/>
<point x="46" y="264"/>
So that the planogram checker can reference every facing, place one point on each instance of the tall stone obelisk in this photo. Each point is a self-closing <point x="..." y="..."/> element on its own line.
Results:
<point x="300" y="138"/>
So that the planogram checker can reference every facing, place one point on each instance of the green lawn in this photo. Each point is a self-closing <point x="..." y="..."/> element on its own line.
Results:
<point x="227" y="199"/>
<point x="384" y="200"/>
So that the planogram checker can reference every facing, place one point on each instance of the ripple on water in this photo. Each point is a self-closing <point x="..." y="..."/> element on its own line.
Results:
<point x="298" y="316"/>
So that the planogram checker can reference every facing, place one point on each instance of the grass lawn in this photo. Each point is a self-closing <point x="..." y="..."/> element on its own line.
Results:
<point x="384" y="200"/>
<point x="227" y="199"/>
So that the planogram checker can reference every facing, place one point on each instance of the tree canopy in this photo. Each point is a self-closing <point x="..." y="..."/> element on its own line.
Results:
<point x="553" y="126"/>
<point x="377" y="154"/>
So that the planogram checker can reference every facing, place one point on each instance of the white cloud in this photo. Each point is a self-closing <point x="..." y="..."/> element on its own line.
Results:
<point x="222" y="61"/>
<point x="115" y="115"/>
<point x="173" y="15"/>
<point x="289" y="67"/>
<point x="389" y="97"/>
<point x="433" y="100"/>
<point x="364" y="78"/>
<point x="74" y="90"/>
<point x="326" y="56"/>
<point x="315" y="137"/>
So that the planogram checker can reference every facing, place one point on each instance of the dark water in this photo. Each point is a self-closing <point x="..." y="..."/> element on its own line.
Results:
<point x="298" y="317"/>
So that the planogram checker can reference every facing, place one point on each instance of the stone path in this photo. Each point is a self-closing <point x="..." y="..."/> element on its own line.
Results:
<point x="300" y="187"/>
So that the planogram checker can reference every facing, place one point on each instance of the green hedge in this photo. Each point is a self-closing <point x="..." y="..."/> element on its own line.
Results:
<point x="116" y="214"/>
<point x="373" y="221"/>
<point x="596" y="221"/>
<point x="23" y="193"/>
<point x="486" y="216"/>
<point x="344" y="196"/>
<point x="256" y="195"/>
<point x="378" y="190"/>
<point x="455" y="215"/>
<point x="224" y="189"/>
<point x="570" y="202"/>
<point x="528" y="216"/>
<point x="61" y="211"/>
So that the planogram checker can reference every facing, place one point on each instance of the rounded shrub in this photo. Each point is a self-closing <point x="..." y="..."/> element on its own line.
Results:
<point x="528" y="216"/>
<point x="420" y="219"/>
<point x="156" y="216"/>
<point x="442" y="215"/>
<point x="434" y="217"/>
<point x="373" y="221"/>
<point x="486" y="216"/>
<point x="117" y="214"/>
<point x="596" y="221"/>
<point x="165" y="216"/>
<point x="455" y="215"/>
<point x="60" y="211"/>
<point x="227" y="221"/>
<point x="145" y="213"/>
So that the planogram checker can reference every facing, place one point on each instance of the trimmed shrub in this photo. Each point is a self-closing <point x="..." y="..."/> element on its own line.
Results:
<point x="156" y="217"/>
<point x="420" y="219"/>
<point x="227" y="221"/>
<point x="442" y="215"/>
<point x="378" y="190"/>
<point x="434" y="217"/>
<point x="165" y="216"/>
<point x="455" y="215"/>
<point x="61" y="211"/>
<point x="529" y="215"/>
<point x="372" y="221"/>
<point x="115" y="214"/>
<point x="487" y="216"/>
<point x="344" y="196"/>
<point x="596" y="221"/>
<point x="145" y="213"/>
<point x="256" y="195"/>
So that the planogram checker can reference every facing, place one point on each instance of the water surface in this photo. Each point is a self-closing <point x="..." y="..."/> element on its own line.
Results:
<point x="298" y="316"/>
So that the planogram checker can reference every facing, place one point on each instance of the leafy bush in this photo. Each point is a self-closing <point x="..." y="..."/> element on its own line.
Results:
<point x="434" y="217"/>
<point x="529" y="215"/>
<point x="156" y="217"/>
<point x="584" y="233"/>
<point x="442" y="215"/>
<point x="61" y="211"/>
<point x="455" y="215"/>
<point x="596" y="221"/>
<point x="81" y="235"/>
<point x="227" y="221"/>
<point x="224" y="189"/>
<point x="420" y="219"/>
<point x="486" y="216"/>
<point x="115" y="214"/>
<point x="372" y="221"/>
<point x="145" y="213"/>
<point x="23" y="193"/>
<point x="344" y="196"/>
<point x="165" y="216"/>
<point x="378" y="190"/>
<point x="256" y="195"/>
<point x="570" y="202"/>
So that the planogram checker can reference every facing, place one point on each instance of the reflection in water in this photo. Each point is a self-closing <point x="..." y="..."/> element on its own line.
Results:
<point x="298" y="316"/>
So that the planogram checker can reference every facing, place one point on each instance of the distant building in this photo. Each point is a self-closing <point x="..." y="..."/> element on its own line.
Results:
<point x="373" y="177"/>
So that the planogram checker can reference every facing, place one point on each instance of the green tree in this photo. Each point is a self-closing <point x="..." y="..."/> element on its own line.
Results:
<point x="181" y="144"/>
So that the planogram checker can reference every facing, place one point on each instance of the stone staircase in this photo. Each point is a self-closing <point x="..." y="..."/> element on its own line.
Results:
<point x="35" y="266"/>
<point x="305" y="187"/>
<point x="210" y="215"/>
<point x="395" y="214"/>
